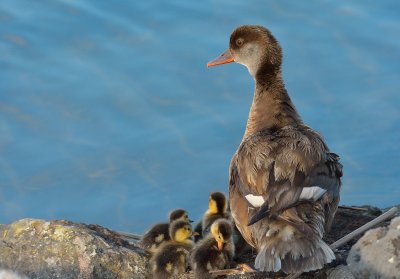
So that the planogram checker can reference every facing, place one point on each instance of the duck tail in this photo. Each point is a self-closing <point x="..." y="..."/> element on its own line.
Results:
<point x="321" y="255"/>
<point x="266" y="261"/>
<point x="298" y="259"/>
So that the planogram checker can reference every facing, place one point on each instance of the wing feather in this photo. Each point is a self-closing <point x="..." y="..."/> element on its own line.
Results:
<point x="277" y="165"/>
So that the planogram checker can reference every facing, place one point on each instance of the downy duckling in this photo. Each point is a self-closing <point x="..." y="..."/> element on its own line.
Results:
<point x="217" y="208"/>
<point x="159" y="233"/>
<point x="172" y="257"/>
<point x="213" y="252"/>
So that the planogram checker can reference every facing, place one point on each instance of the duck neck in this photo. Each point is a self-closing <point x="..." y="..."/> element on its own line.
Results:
<point x="272" y="107"/>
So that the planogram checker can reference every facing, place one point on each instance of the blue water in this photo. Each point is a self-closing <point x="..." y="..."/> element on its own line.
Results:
<point x="108" y="114"/>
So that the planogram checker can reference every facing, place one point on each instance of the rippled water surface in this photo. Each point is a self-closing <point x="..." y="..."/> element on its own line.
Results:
<point x="108" y="114"/>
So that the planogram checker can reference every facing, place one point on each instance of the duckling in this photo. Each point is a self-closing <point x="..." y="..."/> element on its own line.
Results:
<point x="172" y="257"/>
<point x="159" y="233"/>
<point x="213" y="252"/>
<point x="217" y="208"/>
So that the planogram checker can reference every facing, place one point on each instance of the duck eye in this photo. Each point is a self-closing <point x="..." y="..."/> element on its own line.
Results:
<point x="239" y="42"/>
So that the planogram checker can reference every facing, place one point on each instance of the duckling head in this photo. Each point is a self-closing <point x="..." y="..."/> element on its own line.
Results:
<point x="179" y="214"/>
<point x="180" y="231"/>
<point x="217" y="203"/>
<point x="222" y="232"/>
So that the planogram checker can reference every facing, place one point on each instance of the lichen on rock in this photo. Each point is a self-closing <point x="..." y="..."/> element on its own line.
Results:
<point x="62" y="249"/>
<point x="377" y="253"/>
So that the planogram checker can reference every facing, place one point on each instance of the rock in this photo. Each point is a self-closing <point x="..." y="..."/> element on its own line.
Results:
<point x="377" y="253"/>
<point x="339" y="272"/>
<point x="8" y="274"/>
<point x="62" y="249"/>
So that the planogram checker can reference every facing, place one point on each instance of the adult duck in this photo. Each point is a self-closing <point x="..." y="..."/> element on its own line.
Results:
<point x="284" y="182"/>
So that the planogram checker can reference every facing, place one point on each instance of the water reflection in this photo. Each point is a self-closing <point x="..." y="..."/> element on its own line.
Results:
<point x="109" y="116"/>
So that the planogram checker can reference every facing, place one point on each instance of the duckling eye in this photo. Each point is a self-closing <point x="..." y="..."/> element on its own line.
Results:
<point x="239" y="42"/>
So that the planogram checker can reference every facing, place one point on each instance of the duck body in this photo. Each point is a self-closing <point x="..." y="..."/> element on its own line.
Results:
<point x="172" y="257"/>
<point x="159" y="233"/>
<point x="284" y="182"/>
<point x="213" y="252"/>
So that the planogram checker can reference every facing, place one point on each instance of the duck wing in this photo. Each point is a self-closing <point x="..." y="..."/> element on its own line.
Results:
<point x="278" y="169"/>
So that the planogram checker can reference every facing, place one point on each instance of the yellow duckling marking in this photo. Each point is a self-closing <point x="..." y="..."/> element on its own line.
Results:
<point x="215" y="231"/>
<point x="159" y="238"/>
<point x="209" y="266"/>
<point x="212" y="207"/>
<point x="218" y="236"/>
<point x="183" y="234"/>
<point x="169" y="267"/>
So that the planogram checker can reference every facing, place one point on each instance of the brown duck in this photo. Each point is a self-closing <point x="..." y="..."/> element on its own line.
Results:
<point x="284" y="182"/>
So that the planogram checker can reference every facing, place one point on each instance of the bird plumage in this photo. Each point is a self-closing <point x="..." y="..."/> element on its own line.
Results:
<point x="217" y="208"/>
<point x="284" y="182"/>
<point x="215" y="251"/>
<point x="171" y="258"/>
<point x="159" y="233"/>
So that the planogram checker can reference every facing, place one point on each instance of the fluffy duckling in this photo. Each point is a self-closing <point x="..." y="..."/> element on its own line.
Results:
<point x="213" y="252"/>
<point x="172" y="257"/>
<point x="217" y="208"/>
<point x="159" y="233"/>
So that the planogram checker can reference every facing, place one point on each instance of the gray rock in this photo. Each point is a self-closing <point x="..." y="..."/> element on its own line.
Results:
<point x="8" y="274"/>
<point x="377" y="253"/>
<point x="339" y="272"/>
<point x="61" y="249"/>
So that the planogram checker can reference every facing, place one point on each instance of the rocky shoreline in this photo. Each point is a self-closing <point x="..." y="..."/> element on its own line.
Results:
<point x="63" y="249"/>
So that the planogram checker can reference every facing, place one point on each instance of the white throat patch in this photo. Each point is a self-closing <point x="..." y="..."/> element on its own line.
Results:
<point x="250" y="56"/>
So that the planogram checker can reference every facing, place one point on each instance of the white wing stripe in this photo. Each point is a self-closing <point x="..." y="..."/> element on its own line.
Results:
<point x="255" y="201"/>
<point x="313" y="193"/>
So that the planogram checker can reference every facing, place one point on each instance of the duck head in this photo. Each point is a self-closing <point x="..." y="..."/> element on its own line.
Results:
<point x="254" y="47"/>
<point x="179" y="214"/>
<point x="221" y="230"/>
<point x="180" y="231"/>
<point x="217" y="203"/>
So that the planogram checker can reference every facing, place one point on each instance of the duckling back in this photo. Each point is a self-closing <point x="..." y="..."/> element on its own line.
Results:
<point x="171" y="259"/>
<point x="159" y="233"/>
<point x="154" y="237"/>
